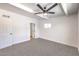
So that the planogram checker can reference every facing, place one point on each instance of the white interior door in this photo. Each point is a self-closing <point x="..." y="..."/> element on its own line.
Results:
<point x="5" y="32"/>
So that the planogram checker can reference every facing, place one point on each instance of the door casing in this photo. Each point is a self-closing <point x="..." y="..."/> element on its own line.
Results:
<point x="32" y="30"/>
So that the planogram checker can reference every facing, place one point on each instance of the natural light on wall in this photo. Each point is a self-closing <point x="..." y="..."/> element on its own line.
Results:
<point x="47" y="25"/>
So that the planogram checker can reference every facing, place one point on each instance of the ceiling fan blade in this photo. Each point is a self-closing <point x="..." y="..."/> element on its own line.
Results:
<point x="39" y="13"/>
<point x="52" y="6"/>
<point x="40" y="7"/>
<point x="51" y="12"/>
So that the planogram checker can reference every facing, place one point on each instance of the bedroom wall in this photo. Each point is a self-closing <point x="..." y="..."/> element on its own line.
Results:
<point x="78" y="30"/>
<point x="63" y="30"/>
<point x="18" y="25"/>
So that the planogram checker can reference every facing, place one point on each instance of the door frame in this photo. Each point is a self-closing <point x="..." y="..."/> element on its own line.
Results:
<point x="32" y="31"/>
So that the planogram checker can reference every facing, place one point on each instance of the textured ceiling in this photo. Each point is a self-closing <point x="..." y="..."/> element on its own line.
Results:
<point x="58" y="11"/>
<point x="72" y="8"/>
<point x="14" y="9"/>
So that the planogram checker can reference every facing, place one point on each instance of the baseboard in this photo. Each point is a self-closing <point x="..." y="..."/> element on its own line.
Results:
<point x="5" y="46"/>
<point x="14" y="43"/>
<point x="59" y="42"/>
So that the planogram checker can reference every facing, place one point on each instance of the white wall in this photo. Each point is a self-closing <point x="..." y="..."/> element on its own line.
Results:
<point x="78" y="30"/>
<point x="18" y="25"/>
<point x="63" y="30"/>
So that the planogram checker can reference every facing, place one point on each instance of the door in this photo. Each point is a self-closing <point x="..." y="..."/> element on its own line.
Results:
<point x="5" y="32"/>
<point x="32" y="30"/>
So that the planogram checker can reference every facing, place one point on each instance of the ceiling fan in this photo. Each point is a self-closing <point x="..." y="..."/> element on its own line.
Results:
<point x="45" y="10"/>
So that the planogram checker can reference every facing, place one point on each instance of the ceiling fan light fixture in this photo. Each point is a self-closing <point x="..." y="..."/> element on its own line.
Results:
<point x="45" y="14"/>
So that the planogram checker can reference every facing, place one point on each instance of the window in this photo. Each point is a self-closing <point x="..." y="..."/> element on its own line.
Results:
<point x="47" y="25"/>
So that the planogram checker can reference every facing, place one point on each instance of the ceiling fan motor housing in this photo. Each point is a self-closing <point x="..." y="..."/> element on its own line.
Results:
<point x="45" y="10"/>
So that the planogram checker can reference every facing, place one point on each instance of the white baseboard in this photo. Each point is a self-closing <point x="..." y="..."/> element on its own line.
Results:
<point x="61" y="43"/>
<point x="14" y="43"/>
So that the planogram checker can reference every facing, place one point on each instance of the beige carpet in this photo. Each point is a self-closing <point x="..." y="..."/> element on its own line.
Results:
<point x="39" y="47"/>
